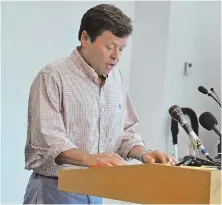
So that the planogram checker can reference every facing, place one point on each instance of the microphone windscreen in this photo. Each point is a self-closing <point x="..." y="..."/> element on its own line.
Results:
<point x="207" y="120"/>
<point x="202" y="89"/>
<point x="173" y="108"/>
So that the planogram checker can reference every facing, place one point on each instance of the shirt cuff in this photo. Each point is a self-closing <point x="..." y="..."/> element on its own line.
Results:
<point x="125" y="149"/>
<point x="58" y="149"/>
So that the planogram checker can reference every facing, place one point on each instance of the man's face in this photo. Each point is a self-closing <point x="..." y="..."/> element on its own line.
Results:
<point x="105" y="52"/>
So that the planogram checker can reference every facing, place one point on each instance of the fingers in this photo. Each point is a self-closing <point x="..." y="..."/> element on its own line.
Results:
<point x="174" y="161"/>
<point x="148" y="159"/>
<point x="170" y="159"/>
<point x="116" y="156"/>
<point x="114" y="160"/>
<point x="160" y="157"/>
<point x="163" y="158"/>
<point x="110" y="158"/>
<point x="101" y="164"/>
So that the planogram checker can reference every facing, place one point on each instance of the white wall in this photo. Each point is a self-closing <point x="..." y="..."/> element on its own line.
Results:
<point x="149" y="69"/>
<point x="34" y="34"/>
<point x="168" y="34"/>
<point x="194" y="36"/>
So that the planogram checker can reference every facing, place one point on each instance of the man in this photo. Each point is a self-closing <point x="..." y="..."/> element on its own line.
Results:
<point x="79" y="112"/>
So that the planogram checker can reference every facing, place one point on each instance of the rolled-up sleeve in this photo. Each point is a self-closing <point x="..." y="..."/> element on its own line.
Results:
<point x="46" y="127"/>
<point x="130" y="138"/>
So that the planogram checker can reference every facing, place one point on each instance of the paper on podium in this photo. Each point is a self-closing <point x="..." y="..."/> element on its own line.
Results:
<point x="145" y="183"/>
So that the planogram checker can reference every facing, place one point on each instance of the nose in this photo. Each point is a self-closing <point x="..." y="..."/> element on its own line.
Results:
<point x="115" y="55"/>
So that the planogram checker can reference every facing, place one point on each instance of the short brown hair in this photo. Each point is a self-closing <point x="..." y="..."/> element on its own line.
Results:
<point x="105" y="17"/>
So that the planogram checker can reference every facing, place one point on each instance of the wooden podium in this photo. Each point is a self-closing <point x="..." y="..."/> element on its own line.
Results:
<point x="145" y="184"/>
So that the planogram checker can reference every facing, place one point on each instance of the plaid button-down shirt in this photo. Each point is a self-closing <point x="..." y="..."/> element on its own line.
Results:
<point x="69" y="109"/>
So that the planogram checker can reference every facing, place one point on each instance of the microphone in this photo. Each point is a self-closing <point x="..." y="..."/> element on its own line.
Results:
<point x="209" y="122"/>
<point x="175" y="130"/>
<point x="205" y="91"/>
<point x="177" y="114"/>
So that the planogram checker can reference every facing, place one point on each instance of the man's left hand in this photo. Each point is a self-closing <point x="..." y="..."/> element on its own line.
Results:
<point x="159" y="157"/>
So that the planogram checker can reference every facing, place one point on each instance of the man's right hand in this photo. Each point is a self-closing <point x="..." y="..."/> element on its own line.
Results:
<point x="106" y="159"/>
<point x="77" y="157"/>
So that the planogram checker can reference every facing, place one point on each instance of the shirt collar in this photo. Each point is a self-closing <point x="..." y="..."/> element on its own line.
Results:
<point x="85" y="67"/>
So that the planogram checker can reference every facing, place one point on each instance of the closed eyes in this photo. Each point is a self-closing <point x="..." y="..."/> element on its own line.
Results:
<point x="109" y="47"/>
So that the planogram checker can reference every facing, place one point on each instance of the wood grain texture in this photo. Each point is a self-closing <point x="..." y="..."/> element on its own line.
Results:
<point x="146" y="183"/>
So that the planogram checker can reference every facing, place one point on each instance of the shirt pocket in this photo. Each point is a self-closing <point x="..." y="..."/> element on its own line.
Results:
<point x="115" y="125"/>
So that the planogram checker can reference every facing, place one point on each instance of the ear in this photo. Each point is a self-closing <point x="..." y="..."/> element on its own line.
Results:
<point x="85" y="40"/>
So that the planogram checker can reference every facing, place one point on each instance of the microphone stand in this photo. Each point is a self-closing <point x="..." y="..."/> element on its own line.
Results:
<point x="210" y="94"/>
<point x="218" y="157"/>
<point x="215" y="94"/>
<point x="191" y="160"/>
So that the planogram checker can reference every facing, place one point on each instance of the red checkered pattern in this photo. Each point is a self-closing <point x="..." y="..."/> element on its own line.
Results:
<point x="68" y="109"/>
